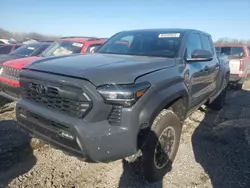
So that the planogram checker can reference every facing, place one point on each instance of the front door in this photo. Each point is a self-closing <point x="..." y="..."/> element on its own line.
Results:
<point x="198" y="72"/>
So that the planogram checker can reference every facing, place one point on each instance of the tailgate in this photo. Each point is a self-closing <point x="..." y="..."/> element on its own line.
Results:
<point x="234" y="65"/>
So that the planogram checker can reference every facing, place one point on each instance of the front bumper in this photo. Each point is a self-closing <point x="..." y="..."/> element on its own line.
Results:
<point x="9" y="91"/>
<point x="98" y="141"/>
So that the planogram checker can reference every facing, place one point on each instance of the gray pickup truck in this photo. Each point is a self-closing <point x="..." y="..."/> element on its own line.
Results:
<point x="130" y="96"/>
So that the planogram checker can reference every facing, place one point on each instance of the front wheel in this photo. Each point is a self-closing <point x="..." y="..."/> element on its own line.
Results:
<point x="161" y="145"/>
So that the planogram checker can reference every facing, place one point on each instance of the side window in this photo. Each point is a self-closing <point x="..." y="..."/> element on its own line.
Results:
<point x="206" y="42"/>
<point x="91" y="47"/>
<point x="5" y="49"/>
<point x="193" y="43"/>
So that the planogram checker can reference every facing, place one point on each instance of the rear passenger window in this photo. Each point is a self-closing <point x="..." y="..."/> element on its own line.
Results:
<point x="206" y="43"/>
<point x="193" y="43"/>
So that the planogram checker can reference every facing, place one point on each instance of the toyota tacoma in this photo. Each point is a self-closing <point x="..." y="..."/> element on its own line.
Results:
<point x="131" y="96"/>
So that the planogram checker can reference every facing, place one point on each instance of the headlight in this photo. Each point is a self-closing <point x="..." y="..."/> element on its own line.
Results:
<point x="125" y="95"/>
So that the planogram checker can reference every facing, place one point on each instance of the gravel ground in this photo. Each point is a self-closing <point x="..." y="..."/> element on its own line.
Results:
<point x="214" y="152"/>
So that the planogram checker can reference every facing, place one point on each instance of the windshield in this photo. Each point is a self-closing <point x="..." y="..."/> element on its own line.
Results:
<point x="143" y="43"/>
<point x="63" y="48"/>
<point x="26" y="50"/>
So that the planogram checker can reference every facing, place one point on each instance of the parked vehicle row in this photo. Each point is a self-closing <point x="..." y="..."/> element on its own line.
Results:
<point x="129" y="97"/>
<point x="9" y="78"/>
<point x="8" y="48"/>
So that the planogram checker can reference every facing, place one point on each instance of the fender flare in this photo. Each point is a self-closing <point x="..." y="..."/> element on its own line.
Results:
<point x="160" y="100"/>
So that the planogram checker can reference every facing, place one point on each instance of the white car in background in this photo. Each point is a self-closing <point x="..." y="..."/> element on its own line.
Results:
<point x="7" y="41"/>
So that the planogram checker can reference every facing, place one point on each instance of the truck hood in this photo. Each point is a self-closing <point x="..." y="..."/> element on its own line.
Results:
<point x="102" y="68"/>
<point x="20" y="63"/>
<point x="7" y="57"/>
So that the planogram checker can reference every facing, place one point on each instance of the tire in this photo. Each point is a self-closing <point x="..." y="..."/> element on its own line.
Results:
<point x="239" y="86"/>
<point x="168" y="121"/>
<point x="219" y="102"/>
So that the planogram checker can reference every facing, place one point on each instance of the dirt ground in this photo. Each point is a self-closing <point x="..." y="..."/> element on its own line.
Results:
<point x="214" y="152"/>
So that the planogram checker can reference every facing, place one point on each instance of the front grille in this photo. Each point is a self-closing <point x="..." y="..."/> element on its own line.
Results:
<point x="10" y="73"/>
<point x="63" y="99"/>
<point x="115" y="115"/>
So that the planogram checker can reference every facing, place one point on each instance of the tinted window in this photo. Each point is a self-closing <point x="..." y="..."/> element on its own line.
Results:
<point x="91" y="47"/>
<point x="5" y="49"/>
<point x="233" y="51"/>
<point x="143" y="43"/>
<point x="26" y="50"/>
<point x="248" y="48"/>
<point x="193" y="43"/>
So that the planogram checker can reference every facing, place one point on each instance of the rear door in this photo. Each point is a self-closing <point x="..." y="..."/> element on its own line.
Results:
<point x="197" y="71"/>
<point x="213" y="66"/>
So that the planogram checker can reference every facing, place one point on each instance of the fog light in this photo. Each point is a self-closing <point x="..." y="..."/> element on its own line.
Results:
<point x="66" y="134"/>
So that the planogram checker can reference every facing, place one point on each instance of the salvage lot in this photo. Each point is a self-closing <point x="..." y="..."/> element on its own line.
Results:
<point x="214" y="152"/>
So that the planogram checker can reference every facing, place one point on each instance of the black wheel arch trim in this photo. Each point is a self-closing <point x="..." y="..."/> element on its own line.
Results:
<point x="164" y="97"/>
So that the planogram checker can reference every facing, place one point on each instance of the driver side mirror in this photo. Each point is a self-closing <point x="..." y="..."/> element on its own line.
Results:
<point x="200" y="55"/>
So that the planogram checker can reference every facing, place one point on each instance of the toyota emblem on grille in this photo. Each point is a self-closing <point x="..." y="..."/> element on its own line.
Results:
<point x="41" y="89"/>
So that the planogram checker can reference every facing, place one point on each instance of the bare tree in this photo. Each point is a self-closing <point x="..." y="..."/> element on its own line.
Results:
<point x="21" y="36"/>
<point x="231" y="41"/>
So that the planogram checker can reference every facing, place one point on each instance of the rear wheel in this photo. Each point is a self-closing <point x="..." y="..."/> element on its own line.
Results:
<point x="161" y="146"/>
<point x="219" y="102"/>
<point x="239" y="86"/>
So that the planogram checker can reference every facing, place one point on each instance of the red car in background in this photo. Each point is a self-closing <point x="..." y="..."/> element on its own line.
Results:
<point x="8" y="48"/>
<point x="9" y="74"/>
<point x="239" y="55"/>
